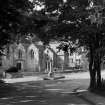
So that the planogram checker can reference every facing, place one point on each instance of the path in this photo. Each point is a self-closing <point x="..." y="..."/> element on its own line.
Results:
<point x="68" y="76"/>
<point x="50" y="92"/>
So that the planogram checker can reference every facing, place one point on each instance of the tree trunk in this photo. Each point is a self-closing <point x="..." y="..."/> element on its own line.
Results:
<point x="98" y="73"/>
<point x="93" y="79"/>
<point x="98" y="61"/>
<point x="95" y="72"/>
<point x="92" y="71"/>
<point x="98" y="79"/>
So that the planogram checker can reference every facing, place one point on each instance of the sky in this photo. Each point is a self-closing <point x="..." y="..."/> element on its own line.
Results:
<point x="37" y="7"/>
<point x="41" y="7"/>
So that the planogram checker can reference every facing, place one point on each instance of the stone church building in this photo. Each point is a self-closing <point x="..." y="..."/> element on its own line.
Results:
<point x="33" y="56"/>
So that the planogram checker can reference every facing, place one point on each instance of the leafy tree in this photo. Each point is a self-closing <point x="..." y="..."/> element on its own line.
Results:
<point x="81" y="21"/>
<point x="13" y="15"/>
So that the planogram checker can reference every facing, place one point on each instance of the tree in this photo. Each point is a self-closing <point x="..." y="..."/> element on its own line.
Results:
<point x="82" y="21"/>
<point x="13" y="14"/>
<point x="38" y="24"/>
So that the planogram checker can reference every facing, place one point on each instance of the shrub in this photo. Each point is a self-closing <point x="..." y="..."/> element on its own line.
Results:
<point x="12" y="70"/>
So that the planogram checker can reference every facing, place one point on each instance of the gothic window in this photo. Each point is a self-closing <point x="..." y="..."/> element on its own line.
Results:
<point x="20" y="54"/>
<point x="32" y="54"/>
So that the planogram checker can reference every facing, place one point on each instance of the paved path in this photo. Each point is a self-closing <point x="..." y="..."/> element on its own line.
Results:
<point x="58" y="92"/>
<point x="24" y="79"/>
<point x="81" y="75"/>
<point x="68" y="76"/>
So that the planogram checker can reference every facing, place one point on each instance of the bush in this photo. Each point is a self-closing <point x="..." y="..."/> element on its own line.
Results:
<point x="12" y="70"/>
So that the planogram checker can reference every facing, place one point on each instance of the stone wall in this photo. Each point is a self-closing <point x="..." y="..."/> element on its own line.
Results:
<point x="30" y="57"/>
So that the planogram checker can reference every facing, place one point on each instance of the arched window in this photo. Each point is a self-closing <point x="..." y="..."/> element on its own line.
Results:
<point x="20" y="54"/>
<point x="32" y="54"/>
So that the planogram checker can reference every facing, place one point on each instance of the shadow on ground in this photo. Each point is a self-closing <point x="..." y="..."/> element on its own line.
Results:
<point x="90" y="102"/>
<point x="39" y="93"/>
<point x="99" y="92"/>
<point x="7" y="90"/>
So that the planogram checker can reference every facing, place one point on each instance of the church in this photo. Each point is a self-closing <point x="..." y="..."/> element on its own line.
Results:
<point x="32" y="56"/>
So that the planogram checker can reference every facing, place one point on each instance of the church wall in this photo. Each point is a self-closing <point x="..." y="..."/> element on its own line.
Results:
<point x="41" y="61"/>
<point x="58" y="55"/>
<point x="34" y="58"/>
<point x="19" y="56"/>
<point x="7" y="61"/>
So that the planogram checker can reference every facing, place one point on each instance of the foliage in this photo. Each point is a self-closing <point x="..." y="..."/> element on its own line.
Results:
<point x="12" y="18"/>
<point x="81" y="21"/>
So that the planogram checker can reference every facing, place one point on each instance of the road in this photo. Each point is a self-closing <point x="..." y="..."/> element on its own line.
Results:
<point x="42" y="93"/>
<point x="82" y="75"/>
<point x="51" y="92"/>
<point x="68" y="76"/>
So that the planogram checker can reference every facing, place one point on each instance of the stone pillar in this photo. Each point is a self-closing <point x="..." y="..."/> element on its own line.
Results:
<point x="66" y="59"/>
<point x="51" y="72"/>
